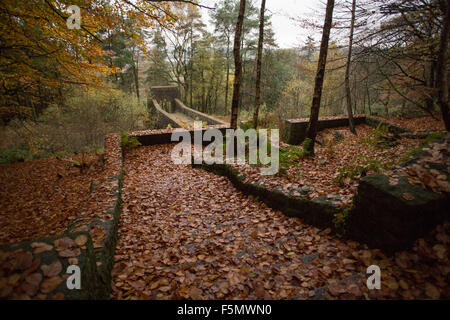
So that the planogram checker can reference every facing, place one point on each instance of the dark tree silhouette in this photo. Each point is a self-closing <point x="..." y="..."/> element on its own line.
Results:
<point x="237" y="66"/>
<point x="258" y="64"/>
<point x="318" y="87"/>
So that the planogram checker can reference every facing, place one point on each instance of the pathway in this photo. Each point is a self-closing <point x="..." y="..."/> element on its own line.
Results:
<point x="186" y="233"/>
<point x="186" y="120"/>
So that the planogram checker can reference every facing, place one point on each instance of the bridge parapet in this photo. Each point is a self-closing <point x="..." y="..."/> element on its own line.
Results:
<point x="165" y="103"/>
<point x="197" y="115"/>
<point x="295" y="129"/>
<point x="164" y="118"/>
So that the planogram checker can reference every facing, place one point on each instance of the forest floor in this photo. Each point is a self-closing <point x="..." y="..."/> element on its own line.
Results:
<point x="417" y="124"/>
<point x="341" y="159"/>
<point x="40" y="198"/>
<point x="186" y="233"/>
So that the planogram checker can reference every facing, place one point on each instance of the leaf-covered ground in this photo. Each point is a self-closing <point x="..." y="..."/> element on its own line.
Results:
<point x="323" y="174"/>
<point x="40" y="198"/>
<point x="186" y="233"/>
<point x="417" y="124"/>
<point x="33" y="270"/>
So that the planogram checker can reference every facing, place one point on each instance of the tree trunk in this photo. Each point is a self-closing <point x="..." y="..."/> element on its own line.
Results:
<point x="368" y="97"/>
<point x="136" y="78"/>
<point x="258" y="64"/>
<point x="238" y="66"/>
<point x="429" y="102"/>
<point x="364" y="103"/>
<point x="351" y="121"/>
<point x="402" y="110"/>
<point x="386" y="105"/>
<point x="318" y="86"/>
<point x="227" y="85"/>
<point x="442" y="76"/>
<point x="191" y="86"/>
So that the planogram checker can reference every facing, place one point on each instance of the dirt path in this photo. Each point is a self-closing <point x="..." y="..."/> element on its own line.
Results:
<point x="186" y="233"/>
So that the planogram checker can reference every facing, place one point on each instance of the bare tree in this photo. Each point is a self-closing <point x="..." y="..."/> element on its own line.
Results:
<point x="318" y="87"/>
<point x="351" y="121"/>
<point x="258" y="64"/>
<point x="442" y="63"/>
<point x="237" y="66"/>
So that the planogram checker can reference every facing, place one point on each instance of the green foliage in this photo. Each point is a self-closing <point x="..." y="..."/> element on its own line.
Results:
<point x="379" y="138"/>
<point x="355" y="170"/>
<point x="64" y="153"/>
<point x="397" y="109"/>
<point x="158" y="72"/>
<point x="340" y="222"/>
<point x="307" y="144"/>
<point x="432" y="138"/>
<point x="291" y="156"/>
<point x="128" y="143"/>
<point x="80" y="125"/>
<point x="94" y="150"/>
<point x="268" y="118"/>
<point x="373" y="138"/>
<point x="15" y="154"/>
<point x="247" y="125"/>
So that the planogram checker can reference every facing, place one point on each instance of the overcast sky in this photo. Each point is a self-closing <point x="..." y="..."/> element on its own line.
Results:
<point x="287" y="32"/>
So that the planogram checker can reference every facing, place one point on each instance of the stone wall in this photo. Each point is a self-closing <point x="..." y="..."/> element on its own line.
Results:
<point x="318" y="212"/>
<point x="164" y="118"/>
<point x="374" y="122"/>
<point x="386" y="215"/>
<point x="392" y="213"/>
<point x="155" y="137"/>
<point x="295" y="130"/>
<point x="172" y="95"/>
<point x="384" y="219"/>
<point x="89" y="242"/>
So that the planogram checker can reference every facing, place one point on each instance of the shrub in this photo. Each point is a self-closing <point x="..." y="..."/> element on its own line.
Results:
<point x="432" y="138"/>
<point x="14" y="155"/>
<point x="82" y="122"/>
<point x="340" y="222"/>
<point x="355" y="170"/>
<point x="292" y="155"/>
<point x="128" y="143"/>
<point x="306" y="146"/>
<point x="247" y="125"/>
<point x="379" y="138"/>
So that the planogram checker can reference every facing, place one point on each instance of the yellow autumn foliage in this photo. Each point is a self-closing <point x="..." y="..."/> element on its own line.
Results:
<point x="40" y="55"/>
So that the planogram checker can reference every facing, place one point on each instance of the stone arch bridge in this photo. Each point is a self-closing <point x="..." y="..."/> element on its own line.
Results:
<point x="165" y="103"/>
